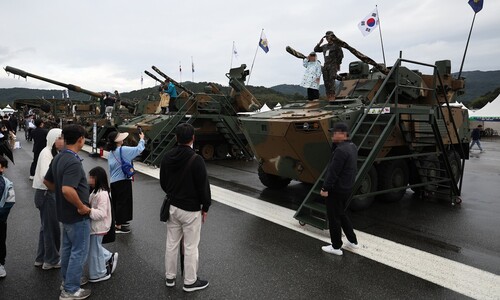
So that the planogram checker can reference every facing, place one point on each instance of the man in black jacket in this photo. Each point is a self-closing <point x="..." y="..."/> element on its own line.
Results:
<point x="39" y="136"/>
<point x="183" y="177"/>
<point x="476" y="136"/>
<point x="337" y="188"/>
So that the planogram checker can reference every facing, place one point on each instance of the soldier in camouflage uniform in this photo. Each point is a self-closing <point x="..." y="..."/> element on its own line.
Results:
<point x="333" y="58"/>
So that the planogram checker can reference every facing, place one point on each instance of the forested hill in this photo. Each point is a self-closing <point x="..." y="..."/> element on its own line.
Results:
<point x="263" y="94"/>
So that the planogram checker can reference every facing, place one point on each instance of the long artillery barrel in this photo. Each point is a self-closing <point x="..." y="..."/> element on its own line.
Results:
<point x="360" y="55"/>
<point x="152" y="76"/>
<point x="190" y="93"/>
<point x="70" y="87"/>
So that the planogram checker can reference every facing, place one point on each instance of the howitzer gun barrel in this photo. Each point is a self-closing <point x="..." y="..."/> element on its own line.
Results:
<point x="190" y="93"/>
<point x="360" y="55"/>
<point x="152" y="76"/>
<point x="70" y="87"/>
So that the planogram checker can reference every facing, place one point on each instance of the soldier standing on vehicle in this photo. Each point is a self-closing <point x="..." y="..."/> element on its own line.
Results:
<point x="333" y="58"/>
<point x="337" y="188"/>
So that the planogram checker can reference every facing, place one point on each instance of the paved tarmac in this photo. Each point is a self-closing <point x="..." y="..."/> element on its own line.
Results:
<point x="246" y="257"/>
<point x="467" y="233"/>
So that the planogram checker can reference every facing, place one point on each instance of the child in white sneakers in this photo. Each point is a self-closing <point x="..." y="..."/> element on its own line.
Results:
<point x="102" y="263"/>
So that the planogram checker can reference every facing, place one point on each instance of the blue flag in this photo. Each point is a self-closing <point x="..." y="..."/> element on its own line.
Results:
<point x="263" y="42"/>
<point x="476" y="5"/>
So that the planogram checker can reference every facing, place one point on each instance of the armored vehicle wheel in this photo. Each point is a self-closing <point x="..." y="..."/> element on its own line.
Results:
<point x="221" y="151"/>
<point x="393" y="174"/>
<point x="455" y="163"/>
<point x="429" y="171"/>
<point x="207" y="151"/>
<point x="236" y="152"/>
<point x="273" y="181"/>
<point x="368" y="185"/>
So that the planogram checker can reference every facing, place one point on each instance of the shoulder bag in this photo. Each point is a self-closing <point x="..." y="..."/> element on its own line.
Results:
<point x="127" y="167"/>
<point x="165" y="207"/>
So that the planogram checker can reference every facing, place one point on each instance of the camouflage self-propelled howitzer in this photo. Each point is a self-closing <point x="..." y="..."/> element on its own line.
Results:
<point x="407" y="134"/>
<point x="84" y="114"/>
<point x="213" y="114"/>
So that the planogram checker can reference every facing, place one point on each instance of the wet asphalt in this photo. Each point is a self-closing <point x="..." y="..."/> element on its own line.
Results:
<point x="245" y="257"/>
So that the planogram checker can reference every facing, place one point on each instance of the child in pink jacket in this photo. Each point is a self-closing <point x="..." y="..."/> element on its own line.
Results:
<point x="102" y="263"/>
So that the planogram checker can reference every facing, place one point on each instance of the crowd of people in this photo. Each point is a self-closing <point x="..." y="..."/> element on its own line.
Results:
<point x="79" y="211"/>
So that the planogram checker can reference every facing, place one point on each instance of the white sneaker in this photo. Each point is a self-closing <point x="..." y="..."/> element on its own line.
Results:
<point x="3" y="273"/>
<point x="349" y="245"/>
<point x="31" y="177"/>
<point x="47" y="266"/>
<point x="331" y="250"/>
<point x="80" y="294"/>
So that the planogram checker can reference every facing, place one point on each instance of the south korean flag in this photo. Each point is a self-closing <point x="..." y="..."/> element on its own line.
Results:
<point x="369" y="23"/>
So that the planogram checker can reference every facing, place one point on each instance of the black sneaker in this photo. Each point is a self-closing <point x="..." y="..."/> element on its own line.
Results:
<point x="122" y="230"/>
<point x="126" y="224"/>
<point x="170" y="282"/>
<point x="198" y="285"/>
<point x="112" y="262"/>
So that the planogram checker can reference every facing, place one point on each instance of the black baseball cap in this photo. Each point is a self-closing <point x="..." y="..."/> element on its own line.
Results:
<point x="339" y="127"/>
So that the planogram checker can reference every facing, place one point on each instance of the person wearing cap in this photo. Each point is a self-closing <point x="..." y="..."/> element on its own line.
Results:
<point x="183" y="177"/>
<point x="121" y="186"/>
<point x="337" y="188"/>
<point x="333" y="58"/>
<point x="312" y="76"/>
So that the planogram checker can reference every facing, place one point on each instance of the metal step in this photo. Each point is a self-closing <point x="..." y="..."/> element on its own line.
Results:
<point x="313" y="221"/>
<point x="316" y="206"/>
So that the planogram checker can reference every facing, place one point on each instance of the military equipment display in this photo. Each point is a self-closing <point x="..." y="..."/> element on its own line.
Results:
<point x="407" y="134"/>
<point x="84" y="114"/>
<point x="212" y="113"/>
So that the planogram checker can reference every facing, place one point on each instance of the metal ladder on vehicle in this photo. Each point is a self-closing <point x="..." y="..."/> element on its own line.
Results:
<point x="165" y="139"/>
<point x="226" y="124"/>
<point x="225" y="127"/>
<point x="312" y="211"/>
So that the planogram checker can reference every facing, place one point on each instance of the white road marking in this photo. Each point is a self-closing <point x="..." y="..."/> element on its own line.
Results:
<point x="459" y="277"/>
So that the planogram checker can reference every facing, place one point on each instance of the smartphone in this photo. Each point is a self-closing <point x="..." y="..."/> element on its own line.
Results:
<point x="139" y="130"/>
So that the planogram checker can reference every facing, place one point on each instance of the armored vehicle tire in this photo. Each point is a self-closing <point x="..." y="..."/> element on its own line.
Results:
<point x="393" y="174"/>
<point x="369" y="185"/>
<point x="221" y="151"/>
<point x="455" y="163"/>
<point x="430" y="166"/>
<point x="207" y="151"/>
<point x="273" y="181"/>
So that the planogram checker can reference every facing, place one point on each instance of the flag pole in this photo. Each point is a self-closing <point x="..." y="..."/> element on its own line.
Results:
<point x="232" y="54"/>
<point x="253" y="62"/>
<point x="466" y="46"/>
<point x="380" y="32"/>
<point x="180" y="72"/>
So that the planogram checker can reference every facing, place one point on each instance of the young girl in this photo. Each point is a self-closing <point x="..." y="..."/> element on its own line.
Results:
<point x="102" y="263"/>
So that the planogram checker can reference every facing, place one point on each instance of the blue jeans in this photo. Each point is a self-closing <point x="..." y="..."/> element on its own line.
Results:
<point x="476" y="142"/>
<point x="49" y="240"/>
<point x="74" y="251"/>
<point x="98" y="256"/>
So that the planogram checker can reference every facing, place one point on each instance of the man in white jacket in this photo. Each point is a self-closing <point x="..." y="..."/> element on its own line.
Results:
<point x="49" y="240"/>
<point x="312" y="76"/>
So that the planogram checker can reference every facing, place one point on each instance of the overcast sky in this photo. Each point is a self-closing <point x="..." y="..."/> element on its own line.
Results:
<point x="106" y="45"/>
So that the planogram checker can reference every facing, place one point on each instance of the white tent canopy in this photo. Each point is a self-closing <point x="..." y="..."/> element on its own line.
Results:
<point x="489" y="112"/>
